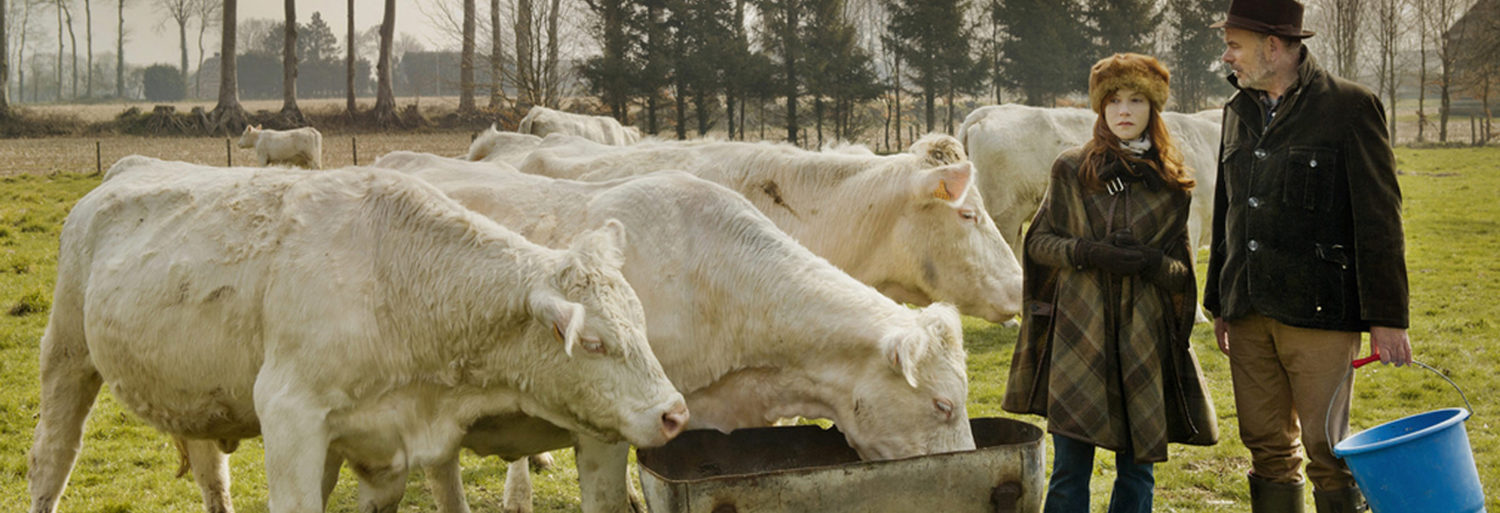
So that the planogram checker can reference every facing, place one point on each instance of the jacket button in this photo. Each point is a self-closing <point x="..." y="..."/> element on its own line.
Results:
<point x="1260" y="153"/>
<point x="1253" y="245"/>
<point x="1313" y="163"/>
<point x="1254" y="202"/>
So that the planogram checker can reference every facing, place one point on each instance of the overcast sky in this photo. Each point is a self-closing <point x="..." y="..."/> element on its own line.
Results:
<point x="151" y="37"/>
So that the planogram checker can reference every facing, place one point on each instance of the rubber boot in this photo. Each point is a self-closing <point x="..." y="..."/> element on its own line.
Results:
<point x="1347" y="500"/>
<point x="1269" y="497"/>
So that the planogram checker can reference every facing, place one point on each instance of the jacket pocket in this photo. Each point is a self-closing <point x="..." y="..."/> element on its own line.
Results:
<point x="1334" y="263"/>
<point x="1309" y="172"/>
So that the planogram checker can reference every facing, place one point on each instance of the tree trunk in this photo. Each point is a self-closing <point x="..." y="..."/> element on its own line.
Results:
<point x="182" y="22"/>
<point x="929" y="103"/>
<point x="88" y="34"/>
<point x="818" y="117"/>
<point x="466" y="62"/>
<point x="385" y="97"/>
<point x="525" y="75"/>
<point x="789" y="56"/>
<point x="228" y="115"/>
<point x="289" y="110"/>
<point x="551" y="79"/>
<point x="349" y="107"/>
<point x="120" y="52"/>
<point x="497" y="91"/>
<point x="73" y="47"/>
<point x="21" y="54"/>
<point x="1422" y="23"/>
<point x="4" y="65"/>
<point x="897" y="76"/>
<point x="59" y="49"/>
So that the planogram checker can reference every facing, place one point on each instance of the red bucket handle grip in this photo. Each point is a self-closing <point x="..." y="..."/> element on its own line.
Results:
<point x="1374" y="357"/>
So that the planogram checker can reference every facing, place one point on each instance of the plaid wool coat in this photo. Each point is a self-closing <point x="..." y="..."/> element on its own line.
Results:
<point x="1105" y="358"/>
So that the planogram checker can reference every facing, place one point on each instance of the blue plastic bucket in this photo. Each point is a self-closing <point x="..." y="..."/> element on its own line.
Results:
<point x="1416" y="464"/>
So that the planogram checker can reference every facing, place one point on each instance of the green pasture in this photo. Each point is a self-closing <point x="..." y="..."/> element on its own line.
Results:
<point x="1453" y="237"/>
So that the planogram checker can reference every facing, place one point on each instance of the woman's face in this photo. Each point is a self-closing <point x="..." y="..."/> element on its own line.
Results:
<point x="1127" y="111"/>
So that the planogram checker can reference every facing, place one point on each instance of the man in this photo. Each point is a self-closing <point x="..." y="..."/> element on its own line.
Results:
<point x="1307" y="253"/>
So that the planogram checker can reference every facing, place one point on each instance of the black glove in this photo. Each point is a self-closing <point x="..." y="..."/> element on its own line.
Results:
<point x="1126" y="240"/>
<point x="1109" y="258"/>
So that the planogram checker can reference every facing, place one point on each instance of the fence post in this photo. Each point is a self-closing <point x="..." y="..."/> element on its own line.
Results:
<point x="228" y="154"/>
<point x="354" y="145"/>
<point x="98" y="159"/>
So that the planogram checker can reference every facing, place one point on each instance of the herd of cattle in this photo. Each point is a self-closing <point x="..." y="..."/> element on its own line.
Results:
<point x="387" y="316"/>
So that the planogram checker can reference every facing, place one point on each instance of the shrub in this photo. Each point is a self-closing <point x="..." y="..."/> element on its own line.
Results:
<point x="163" y="83"/>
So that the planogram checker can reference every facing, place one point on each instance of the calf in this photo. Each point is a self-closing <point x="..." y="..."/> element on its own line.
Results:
<point x="301" y="147"/>
<point x="494" y="145"/>
<point x="355" y="315"/>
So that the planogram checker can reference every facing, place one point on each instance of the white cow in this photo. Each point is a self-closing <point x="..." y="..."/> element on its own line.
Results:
<point x="541" y="121"/>
<point x="748" y="323"/>
<point x="301" y="147"/>
<point x="495" y="145"/>
<point x="1013" y="147"/>
<point x="882" y="219"/>
<point x="355" y="315"/>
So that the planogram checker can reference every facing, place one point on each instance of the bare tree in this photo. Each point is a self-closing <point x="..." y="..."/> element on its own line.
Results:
<point x="1389" y="31"/>
<point x="497" y="93"/>
<point x="120" y="50"/>
<point x="205" y="11"/>
<point x="1423" y="21"/>
<point x="60" y="47"/>
<point x="466" y="62"/>
<point x="349" y="106"/>
<point x="88" y="31"/>
<point x="526" y="83"/>
<point x="1442" y="15"/>
<point x="4" y="65"/>
<point x="1346" y="28"/>
<point x="550" y="80"/>
<point x="385" y="97"/>
<point x="181" y="13"/>
<point x="72" y="45"/>
<point x="289" y="110"/>
<point x="228" y="115"/>
<point x="21" y="51"/>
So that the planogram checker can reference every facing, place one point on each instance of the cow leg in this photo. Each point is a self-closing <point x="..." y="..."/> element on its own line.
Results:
<point x="210" y="468"/>
<point x="517" y="498"/>
<point x="445" y="481"/>
<point x="602" y="478"/>
<point x="296" y="442"/>
<point x="69" y="386"/>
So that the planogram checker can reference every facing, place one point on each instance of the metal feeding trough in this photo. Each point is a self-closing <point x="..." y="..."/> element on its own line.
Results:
<point x="807" y="469"/>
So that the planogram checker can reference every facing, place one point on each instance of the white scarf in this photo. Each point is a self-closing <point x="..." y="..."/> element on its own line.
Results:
<point x="1138" y="146"/>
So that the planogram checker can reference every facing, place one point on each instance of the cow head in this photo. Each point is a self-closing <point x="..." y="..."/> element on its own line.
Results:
<point x="606" y="382"/>
<point x="249" y="136"/>
<point x="945" y="246"/>
<point x="910" y="399"/>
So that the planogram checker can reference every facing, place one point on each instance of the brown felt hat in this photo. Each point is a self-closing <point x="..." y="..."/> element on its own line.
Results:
<point x="1275" y="17"/>
<point x="1141" y="73"/>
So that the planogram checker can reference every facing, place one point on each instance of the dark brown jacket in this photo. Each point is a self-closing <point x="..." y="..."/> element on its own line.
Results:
<point x="1307" y="213"/>
<point x="1106" y="359"/>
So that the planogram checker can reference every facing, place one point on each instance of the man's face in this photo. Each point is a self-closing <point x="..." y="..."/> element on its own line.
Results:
<point x="1249" y="55"/>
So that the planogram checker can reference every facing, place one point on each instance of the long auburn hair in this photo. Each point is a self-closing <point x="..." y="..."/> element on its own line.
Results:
<point x="1106" y="145"/>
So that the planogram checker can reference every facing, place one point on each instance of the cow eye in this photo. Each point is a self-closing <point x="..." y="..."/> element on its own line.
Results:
<point x="967" y="214"/>
<point x="592" y="345"/>
<point x="944" y="407"/>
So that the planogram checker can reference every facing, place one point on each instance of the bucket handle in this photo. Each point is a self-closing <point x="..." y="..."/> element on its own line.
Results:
<point x="1375" y="356"/>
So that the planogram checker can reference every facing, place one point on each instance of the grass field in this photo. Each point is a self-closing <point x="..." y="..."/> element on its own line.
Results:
<point x="1453" y="235"/>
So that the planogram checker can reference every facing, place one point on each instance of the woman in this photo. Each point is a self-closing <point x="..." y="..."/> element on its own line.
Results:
<point x="1109" y="292"/>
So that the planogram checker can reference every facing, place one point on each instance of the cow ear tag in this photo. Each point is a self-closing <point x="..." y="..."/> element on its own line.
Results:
<point x="942" y="191"/>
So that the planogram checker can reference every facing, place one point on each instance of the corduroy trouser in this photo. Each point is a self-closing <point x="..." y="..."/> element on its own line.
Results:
<point x="1284" y="377"/>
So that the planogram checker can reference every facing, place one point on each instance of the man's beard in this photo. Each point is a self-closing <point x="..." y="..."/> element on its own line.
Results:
<point x="1261" y="77"/>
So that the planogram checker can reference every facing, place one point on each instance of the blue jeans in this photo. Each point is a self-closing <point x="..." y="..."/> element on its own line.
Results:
<point x="1073" y="463"/>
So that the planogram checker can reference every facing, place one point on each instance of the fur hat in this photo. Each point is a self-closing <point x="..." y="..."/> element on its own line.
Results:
<point x="1141" y="73"/>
